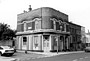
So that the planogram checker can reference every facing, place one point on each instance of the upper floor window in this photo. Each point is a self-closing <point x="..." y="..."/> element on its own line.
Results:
<point x="56" y="23"/>
<point x="24" y="40"/>
<point x="29" y="26"/>
<point x="24" y="26"/>
<point x="38" y="24"/>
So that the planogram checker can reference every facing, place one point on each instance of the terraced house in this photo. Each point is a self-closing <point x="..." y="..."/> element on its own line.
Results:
<point x="43" y="29"/>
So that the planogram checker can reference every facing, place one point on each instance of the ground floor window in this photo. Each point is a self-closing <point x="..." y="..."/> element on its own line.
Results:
<point x="36" y="41"/>
<point x="54" y="40"/>
<point x="24" y="40"/>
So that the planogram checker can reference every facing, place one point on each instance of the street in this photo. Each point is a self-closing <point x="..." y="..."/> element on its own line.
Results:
<point x="37" y="57"/>
<point x="20" y="56"/>
<point x="67" y="57"/>
<point x="4" y="58"/>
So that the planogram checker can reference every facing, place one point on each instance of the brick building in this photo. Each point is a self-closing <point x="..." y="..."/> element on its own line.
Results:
<point x="45" y="29"/>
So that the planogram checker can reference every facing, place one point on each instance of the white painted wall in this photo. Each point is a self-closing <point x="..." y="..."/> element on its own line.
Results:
<point x="87" y="38"/>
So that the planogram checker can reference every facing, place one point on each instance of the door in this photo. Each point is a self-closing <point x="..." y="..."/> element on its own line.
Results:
<point x="24" y="43"/>
<point x="46" y="43"/>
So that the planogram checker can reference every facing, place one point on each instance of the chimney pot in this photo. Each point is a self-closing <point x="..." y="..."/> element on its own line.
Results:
<point x="30" y="8"/>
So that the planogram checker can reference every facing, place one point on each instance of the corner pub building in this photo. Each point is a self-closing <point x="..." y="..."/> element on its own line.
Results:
<point x="43" y="29"/>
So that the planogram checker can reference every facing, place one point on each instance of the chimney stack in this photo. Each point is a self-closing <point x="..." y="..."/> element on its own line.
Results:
<point x="30" y="8"/>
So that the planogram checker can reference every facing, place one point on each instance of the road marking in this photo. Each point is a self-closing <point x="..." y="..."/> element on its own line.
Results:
<point x="81" y="58"/>
<point x="39" y="57"/>
<point x="75" y="60"/>
<point x="86" y="57"/>
<point x="33" y="58"/>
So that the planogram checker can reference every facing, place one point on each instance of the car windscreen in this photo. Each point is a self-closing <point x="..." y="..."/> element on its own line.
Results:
<point x="6" y="47"/>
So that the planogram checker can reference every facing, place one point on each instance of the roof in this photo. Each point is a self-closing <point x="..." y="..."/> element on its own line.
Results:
<point x="43" y="11"/>
<point x="74" y="24"/>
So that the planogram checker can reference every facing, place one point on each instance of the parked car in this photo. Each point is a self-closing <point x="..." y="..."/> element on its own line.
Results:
<point x="6" y="50"/>
<point x="87" y="49"/>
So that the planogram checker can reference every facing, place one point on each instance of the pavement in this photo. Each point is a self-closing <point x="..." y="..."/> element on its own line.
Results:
<point x="48" y="54"/>
<point x="34" y="55"/>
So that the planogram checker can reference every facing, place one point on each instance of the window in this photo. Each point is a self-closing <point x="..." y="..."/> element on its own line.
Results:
<point x="67" y="28"/>
<point x="29" y="26"/>
<point x="38" y="24"/>
<point x="62" y="27"/>
<point x="54" y="23"/>
<point x="57" y="26"/>
<point x="54" y="41"/>
<point x="24" y="25"/>
<point x="24" y="40"/>
<point x="36" y="41"/>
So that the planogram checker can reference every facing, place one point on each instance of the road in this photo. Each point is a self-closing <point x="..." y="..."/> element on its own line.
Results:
<point x="20" y="56"/>
<point x="33" y="57"/>
<point x="67" y="57"/>
<point x="3" y="58"/>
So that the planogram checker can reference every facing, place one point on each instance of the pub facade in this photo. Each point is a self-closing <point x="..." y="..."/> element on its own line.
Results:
<point x="43" y="29"/>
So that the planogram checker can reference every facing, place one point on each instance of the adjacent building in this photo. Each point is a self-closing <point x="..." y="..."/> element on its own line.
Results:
<point x="46" y="29"/>
<point x="87" y="42"/>
<point x="76" y="34"/>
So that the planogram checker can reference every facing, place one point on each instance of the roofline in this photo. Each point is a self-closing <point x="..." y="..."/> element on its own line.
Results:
<point x="42" y="8"/>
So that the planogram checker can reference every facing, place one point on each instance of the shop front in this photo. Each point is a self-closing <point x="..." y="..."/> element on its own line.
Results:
<point x="43" y="42"/>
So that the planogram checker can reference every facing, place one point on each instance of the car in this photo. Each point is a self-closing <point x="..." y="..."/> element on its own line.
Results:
<point x="6" y="50"/>
<point x="87" y="49"/>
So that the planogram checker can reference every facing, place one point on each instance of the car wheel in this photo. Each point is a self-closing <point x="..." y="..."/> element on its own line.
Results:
<point x="1" y="54"/>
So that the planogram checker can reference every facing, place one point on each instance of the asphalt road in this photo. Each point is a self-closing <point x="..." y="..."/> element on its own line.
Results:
<point x="67" y="57"/>
<point x="36" y="57"/>
<point x="4" y="58"/>
<point x="20" y="56"/>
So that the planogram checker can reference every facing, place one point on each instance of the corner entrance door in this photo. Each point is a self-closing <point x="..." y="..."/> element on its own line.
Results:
<point x="46" y="43"/>
<point x="24" y="43"/>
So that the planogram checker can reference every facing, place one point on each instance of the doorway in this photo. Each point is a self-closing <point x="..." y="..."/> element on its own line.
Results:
<point x="46" y="39"/>
<point x="24" y="43"/>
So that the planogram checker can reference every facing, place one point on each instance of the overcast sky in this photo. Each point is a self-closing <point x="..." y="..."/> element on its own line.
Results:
<point x="78" y="10"/>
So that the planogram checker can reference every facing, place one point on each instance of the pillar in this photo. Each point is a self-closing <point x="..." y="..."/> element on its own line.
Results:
<point x="20" y="42"/>
<point x="27" y="42"/>
<point x="65" y="27"/>
<point x="64" y="43"/>
<point x="67" y="42"/>
<point x="50" y="43"/>
<point x="30" y="42"/>
<point x="42" y="42"/>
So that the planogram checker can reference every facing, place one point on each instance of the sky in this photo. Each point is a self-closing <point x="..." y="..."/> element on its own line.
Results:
<point x="77" y="10"/>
